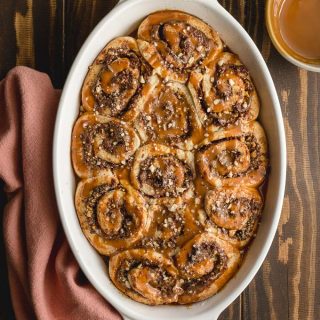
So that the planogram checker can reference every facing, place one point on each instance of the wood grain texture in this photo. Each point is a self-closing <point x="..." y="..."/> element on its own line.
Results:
<point x="48" y="34"/>
<point x="286" y="286"/>
<point x="83" y="15"/>
<point x="32" y="35"/>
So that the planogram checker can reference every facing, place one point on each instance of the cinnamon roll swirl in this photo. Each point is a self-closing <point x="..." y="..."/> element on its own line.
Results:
<point x="233" y="213"/>
<point x="112" y="214"/>
<point x="206" y="263"/>
<point x="116" y="82"/>
<point x="159" y="171"/>
<point x="169" y="117"/>
<point x="99" y="143"/>
<point x="235" y="156"/>
<point x="145" y="276"/>
<point x="224" y="94"/>
<point x="175" y="43"/>
<point x="174" y="222"/>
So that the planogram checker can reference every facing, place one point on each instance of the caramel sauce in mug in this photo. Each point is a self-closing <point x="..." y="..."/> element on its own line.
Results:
<point x="295" y="26"/>
<point x="299" y="22"/>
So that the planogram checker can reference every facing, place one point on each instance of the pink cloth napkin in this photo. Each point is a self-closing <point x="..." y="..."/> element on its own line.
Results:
<point x="45" y="280"/>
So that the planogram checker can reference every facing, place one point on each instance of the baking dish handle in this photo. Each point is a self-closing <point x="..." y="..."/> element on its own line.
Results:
<point x="213" y="316"/>
<point x="120" y="1"/>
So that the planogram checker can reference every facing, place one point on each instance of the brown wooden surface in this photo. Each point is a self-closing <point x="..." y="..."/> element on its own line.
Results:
<point x="46" y="35"/>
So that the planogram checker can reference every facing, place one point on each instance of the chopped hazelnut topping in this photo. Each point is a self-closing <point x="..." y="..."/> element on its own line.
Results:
<point x="191" y="60"/>
<point x="199" y="48"/>
<point x="142" y="80"/>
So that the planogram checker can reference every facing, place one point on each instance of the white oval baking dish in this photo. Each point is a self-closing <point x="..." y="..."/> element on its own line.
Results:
<point x="123" y="20"/>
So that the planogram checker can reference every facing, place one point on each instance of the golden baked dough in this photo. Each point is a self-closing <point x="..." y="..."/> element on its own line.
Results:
<point x="113" y="215"/>
<point x="173" y="223"/>
<point x="99" y="143"/>
<point x="175" y="43"/>
<point x="116" y="82"/>
<point x="234" y="156"/>
<point x="232" y="213"/>
<point x="170" y="155"/>
<point x="224" y="94"/>
<point x="146" y="276"/>
<point x="206" y="263"/>
<point x="160" y="171"/>
<point x="169" y="117"/>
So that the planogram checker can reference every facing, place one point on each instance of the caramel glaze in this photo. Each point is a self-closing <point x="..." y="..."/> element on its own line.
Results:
<point x="163" y="234"/>
<point x="100" y="143"/>
<point x="224" y="94"/>
<point x="300" y="27"/>
<point x="169" y="117"/>
<point x="116" y="82"/>
<point x="123" y="173"/>
<point x="113" y="215"/>
<point x="179" y="21"/>
<point x="191" y="223"/>
<point x="106" y="76"/>
<point x="88" y="96"/>
<point x="181" y="154"/>
<point x="173" y="224"/>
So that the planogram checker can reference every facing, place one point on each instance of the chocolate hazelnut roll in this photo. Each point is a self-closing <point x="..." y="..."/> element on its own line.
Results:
<point x="224" y="94"/>
<point x="175" y="43"/>
<point x="173" y="224"/>
<point x="169" y="117"/>
<point x="116" y="83"/>
<point x="233" y="213"/>
<point x="145" y="276"/>
<point x="112" y="214"/>
<point x="160" y="171"/>
<point x="235" y="156"/>
<point x="205" y="263"/>
<point x="100" y="143"/>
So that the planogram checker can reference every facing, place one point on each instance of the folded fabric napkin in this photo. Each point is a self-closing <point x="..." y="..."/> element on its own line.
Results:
<point x="45" y="280"/>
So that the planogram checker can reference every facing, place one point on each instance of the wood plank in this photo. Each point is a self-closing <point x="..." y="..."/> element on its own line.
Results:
<point x="30" y="35"/>
<point x="7" y="35"/>
<point x="24" y="36"/>
<point x="82" y="17"/>
<point x="285" y="286"/>
<point x="9" y="11"/>
<point x="233" y="312"/>
<point x="48" y="40"/>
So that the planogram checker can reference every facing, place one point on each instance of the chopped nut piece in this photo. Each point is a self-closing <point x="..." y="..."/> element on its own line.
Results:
<point x="142" y="80"/>
<point x="199" y="48"/>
